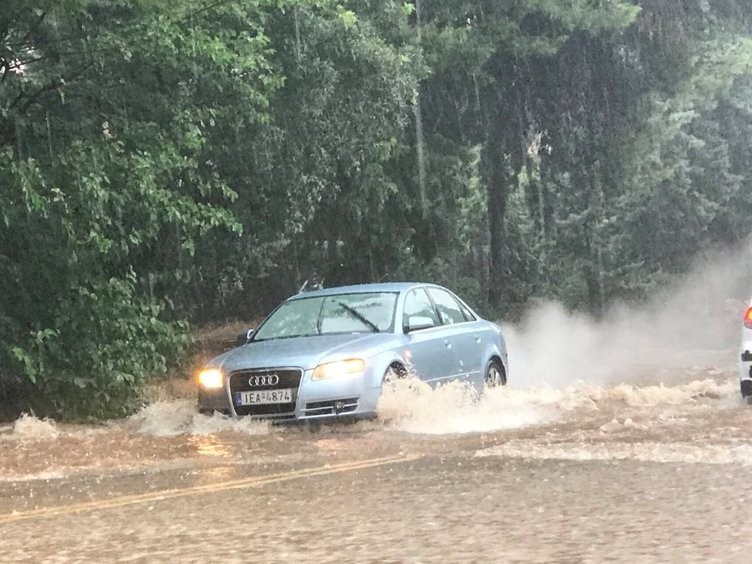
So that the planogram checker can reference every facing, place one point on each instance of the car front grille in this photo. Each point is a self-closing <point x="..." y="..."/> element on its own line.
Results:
<point x="240" y="381"/>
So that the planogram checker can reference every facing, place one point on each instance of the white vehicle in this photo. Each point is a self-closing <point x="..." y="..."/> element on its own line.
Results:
<point x="745" y="363"/>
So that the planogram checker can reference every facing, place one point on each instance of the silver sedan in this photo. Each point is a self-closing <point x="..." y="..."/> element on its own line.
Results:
<point x="327" y="353"/>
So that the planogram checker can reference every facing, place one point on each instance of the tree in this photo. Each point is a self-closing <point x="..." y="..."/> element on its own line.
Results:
<point x="105" y="113"/>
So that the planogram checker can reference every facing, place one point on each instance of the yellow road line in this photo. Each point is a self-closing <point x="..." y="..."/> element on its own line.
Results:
<point x="121" y="501"/>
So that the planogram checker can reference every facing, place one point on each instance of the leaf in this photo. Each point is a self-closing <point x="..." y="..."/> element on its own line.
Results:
<point x="81" y="382"/>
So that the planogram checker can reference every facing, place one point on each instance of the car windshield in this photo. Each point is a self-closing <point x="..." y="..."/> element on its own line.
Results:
<point x="325" y="315"/>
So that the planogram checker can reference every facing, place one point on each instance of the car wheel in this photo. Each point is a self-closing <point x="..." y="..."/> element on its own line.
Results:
<point x="394" y="372"/>
<point x="746" y="388"/>
<point x="495" y="374"/>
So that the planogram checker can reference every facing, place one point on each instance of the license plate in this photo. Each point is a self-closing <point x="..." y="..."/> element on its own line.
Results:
<point x="262" y="397"/>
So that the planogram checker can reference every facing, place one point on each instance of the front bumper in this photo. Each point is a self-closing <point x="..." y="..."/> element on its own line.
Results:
<point x="345" y="397"/>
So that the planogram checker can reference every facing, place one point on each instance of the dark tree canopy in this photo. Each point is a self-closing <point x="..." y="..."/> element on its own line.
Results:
<point x="166" y="164"/>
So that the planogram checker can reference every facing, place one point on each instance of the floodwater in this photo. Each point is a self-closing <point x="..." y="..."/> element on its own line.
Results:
<point x="654" y="470"/>
<point x="622" y="439"/>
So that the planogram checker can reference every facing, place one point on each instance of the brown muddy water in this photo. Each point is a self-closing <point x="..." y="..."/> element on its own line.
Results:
<point x="622" y="440"/>
<point x="655" y="471"/>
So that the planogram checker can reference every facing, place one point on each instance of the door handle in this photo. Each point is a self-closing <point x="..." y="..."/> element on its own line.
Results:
<point x="448" y="344"/>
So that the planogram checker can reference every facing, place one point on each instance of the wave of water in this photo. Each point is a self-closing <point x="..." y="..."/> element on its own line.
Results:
<point x="700" y="421"/>
<point x="172" y="418"/>
<point x="650" y="451"/>
<point x="30" y="428"/>
<point x="415" y="407"/>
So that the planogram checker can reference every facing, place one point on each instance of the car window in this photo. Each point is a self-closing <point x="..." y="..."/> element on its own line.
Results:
<point x="336" y="313"/>
<point x="291" y="319"/>
<point x="357" y="312"/>
<point x="467" y="313"/>
<point x="449" y="309"/>
<point x="418" y="304"/>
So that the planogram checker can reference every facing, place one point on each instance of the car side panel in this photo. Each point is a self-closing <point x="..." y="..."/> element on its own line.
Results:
<point x="430" y="353"/>
<point x="467" y="341"/>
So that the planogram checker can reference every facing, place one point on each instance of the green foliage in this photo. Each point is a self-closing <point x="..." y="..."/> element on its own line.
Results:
<point x="107" y="110"/>
<point x="106" y="342"/>
<point x="683" y="179"/>
<point x="179" y="160"/>
<point x="316" y="181"/>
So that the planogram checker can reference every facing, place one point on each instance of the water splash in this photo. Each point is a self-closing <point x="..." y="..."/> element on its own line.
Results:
<point x="415" y="407"/>
<point x="172" y="418"/>
<point x="27" y="427"/>
<point x="690" y="326"/>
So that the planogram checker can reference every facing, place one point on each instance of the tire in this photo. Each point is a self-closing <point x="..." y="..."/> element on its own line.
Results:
<point x="746" y="389"/>
<point x="394" y="372"/>
<point x="495" y="374"/>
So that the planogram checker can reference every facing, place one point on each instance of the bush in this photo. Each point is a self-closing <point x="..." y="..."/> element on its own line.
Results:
<point x="106" y="343"/>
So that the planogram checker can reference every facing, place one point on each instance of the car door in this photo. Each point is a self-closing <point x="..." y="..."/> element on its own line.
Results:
<point x="428" y="350"/>
<point x="463" y="334"/>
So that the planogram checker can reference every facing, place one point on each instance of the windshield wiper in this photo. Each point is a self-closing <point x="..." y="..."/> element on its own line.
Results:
<point x="359" y="316"/>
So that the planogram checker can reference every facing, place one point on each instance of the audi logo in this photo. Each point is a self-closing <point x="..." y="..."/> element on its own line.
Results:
<point x="263" y="380"/>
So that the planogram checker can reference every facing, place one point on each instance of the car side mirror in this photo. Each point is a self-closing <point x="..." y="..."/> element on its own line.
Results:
<point x="244" y="337"/>
<point x="418" y="322"/>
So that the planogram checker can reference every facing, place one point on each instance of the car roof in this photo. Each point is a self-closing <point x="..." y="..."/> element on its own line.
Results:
<point x="360" y="288"/>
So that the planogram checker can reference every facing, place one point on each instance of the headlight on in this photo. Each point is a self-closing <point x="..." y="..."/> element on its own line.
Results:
<point x="339" y="368"/>
<point x="210" y="378"/>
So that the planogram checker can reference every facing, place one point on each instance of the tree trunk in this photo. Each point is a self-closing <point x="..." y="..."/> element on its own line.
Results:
<point x="497" y="189"/>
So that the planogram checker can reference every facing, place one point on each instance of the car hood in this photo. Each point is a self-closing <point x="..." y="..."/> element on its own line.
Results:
<point x="304" y="352"/>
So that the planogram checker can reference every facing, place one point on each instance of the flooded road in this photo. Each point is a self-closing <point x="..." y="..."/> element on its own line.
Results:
<point x="620" y="439"/>
<point x="658" y="470"/>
